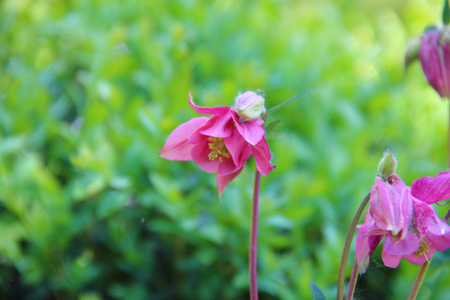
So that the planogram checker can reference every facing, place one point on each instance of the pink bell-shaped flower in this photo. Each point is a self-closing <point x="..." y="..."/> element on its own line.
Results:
<point x="221" y="143"/>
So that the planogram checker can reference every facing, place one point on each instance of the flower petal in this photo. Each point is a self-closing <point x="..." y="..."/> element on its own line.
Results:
<point x="438" y="235"/>
<point x="432" y="189"/>
<point x="221" y="128"/>
<point x="365" y="244"/>
<point x="405" y="246"/>
<point x="251" y="130"/>
<point x="177" y="146"/>
<point x="227" y="167"/>
<point x="220" y="110"/>
<point x="390" y="206"/>
<point x="200" y="157"/>
<point x="239" y="149"/>
<point x="391" y="261"/>
<point x="424" y="215"/>
<point x="418" y="260"/>
<point x="223" y="181"/>
<point x="262" y="156"/>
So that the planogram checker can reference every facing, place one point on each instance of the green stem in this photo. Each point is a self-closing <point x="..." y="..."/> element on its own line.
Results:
<point x="352" y="282"/>
<point x="272" y="109"/>
<point x="448" y="144"/>
<point x="419" y="280"/>
<point x="347" y="245"/>
<point x="252" y="263"/>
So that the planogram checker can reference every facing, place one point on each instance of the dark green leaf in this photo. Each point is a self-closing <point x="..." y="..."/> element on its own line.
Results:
<point x="316" y="291"/>
<point x="446" y="13"/>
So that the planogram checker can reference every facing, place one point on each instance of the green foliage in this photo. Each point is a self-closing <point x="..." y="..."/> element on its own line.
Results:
<point x="89" y="91"/>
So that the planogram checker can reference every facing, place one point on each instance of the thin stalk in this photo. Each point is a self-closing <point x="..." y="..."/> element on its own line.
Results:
<point x="419" y="279"/>
<point x="448" y="144"/>
<point x="272" y="109"/>
<point x="347" y="245"/>
<point x="352" y="282"/>
<point x="253" y="239"/>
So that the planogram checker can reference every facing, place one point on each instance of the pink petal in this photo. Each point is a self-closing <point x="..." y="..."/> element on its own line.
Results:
<point x="221" y="128"/>
<point x="223" y="181"/>
<point x="396" y="182"/>
<point x="409" y="244"/>
<point x="220" y="110"/>
<point x="239" y="149"/>
<point x="200" y="157"/>
<point x="438" y="235"/>
<point x="418" y="260"/>
<point x="425" y="216"/>
<point x="227" y="167"/>
<point x="390" y="206"/>
<point x="432" y="189"/>
<point x="177" y="146"/>
<point x="391" y="261"/>
<point x="365" y="244"/>
<point x="262" y="156"/>
<point x="252" y="130"/>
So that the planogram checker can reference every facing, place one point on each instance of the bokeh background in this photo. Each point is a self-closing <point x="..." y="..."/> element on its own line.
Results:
<point x="90" y="90"/>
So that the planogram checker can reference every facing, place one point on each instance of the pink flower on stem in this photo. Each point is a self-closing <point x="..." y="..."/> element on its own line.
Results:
<point x="434" y="55"/>
<point x="433" y="51"/>
<point x="404" y="216"/>
<point x="223" y="142"/>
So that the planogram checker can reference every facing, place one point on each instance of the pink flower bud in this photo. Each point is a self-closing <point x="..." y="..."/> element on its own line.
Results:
<point x="434" y="55"/>
<point x="250" y="105"/>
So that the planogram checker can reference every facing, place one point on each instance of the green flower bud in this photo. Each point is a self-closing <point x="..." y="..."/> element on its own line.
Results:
<point x="250" y="105"/>
<point x="387" y="165"/>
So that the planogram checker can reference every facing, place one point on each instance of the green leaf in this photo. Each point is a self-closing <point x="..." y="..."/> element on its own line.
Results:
<point x="446" y="13"/>
<point x="316" y="291"/>
<point x="271" y="127"/>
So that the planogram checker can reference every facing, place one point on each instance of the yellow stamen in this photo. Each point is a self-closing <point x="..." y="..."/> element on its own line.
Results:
<point x="219" y="150"/>
<point x="423" y="248"/>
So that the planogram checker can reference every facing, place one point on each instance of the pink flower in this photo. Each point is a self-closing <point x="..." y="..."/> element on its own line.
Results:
<point x="411" y="228"/>
<point x="434" y="54"/>
<point x="221" y="143"/>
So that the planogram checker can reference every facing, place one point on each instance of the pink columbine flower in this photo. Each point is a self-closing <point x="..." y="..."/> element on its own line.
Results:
<point x="434" y="54"/>
<point x="223" y="142"/>
<point x="433" y="51"/>
<point x="404" y="216"/>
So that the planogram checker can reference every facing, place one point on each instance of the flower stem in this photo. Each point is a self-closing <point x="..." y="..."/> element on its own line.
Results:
<point x="253" y="239"/>
<point x="352" y="282"/>
<point x="272" y="109"/>
<point x="448" y="144"/>
<point x="348" y="243"/>
<point x="419" y="279"/>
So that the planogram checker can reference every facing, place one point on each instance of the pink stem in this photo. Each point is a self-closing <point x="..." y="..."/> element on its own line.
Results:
<point x="254" y="239"/>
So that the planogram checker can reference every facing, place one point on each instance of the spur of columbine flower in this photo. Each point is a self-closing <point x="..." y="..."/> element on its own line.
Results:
<point x="404" y="216"/>
<point x="223" y="142"/>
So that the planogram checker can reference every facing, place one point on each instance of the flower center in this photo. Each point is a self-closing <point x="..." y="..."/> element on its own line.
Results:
<point x="423" y="247"/>
<point x="219" y="150"/>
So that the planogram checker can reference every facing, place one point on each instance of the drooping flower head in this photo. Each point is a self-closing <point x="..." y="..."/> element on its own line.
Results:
<point x="433" y="51"/>
<point x="405" y="218"/>
<point x="223" y="142"/>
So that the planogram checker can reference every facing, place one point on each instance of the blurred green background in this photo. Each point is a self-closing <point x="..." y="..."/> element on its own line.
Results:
<point x="90" y="90"/>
